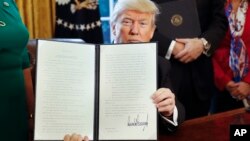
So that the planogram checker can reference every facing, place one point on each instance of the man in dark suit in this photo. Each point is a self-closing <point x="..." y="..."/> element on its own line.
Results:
<point x="192" y="73"/>
<point x="130" y="23"/>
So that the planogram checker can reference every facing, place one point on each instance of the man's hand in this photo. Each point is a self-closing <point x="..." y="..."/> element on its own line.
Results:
<point x="164" y="100"/>
<point x="75" y="137"/>
<point x="178" y="47"/>
<point x="193" y="49"/>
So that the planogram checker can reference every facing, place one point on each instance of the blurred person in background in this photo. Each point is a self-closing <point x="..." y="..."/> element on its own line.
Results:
<point x="231" y="60"/>
<point x="15" y="76"/>
<point x="192" y="71"/>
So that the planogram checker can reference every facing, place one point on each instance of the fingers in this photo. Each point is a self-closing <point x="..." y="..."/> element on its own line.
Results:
<point x="240" y="97"/>
<point x="233" y="85"/>
<point x="237" y="95"/>
<point x="74" y="137"/>
<point x="66" y="137"/>
<point x="164" y="100"/>
<point x="182" y="40"/>
<point x="78" y="138"/>
<point x="186" y="58"/>
<point x="166" y="105"/>
<point x="161" y="94"/>
<point x="181" y="54"/>
<point x="192" y="50"/>
<point x="186" y="55"/>
<point x="177" y="48"/>
<point x="86" y="138"/>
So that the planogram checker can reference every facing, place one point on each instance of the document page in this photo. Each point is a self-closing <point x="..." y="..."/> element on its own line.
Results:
<point x="64" y="90"/>
<point x="127" y="81"/>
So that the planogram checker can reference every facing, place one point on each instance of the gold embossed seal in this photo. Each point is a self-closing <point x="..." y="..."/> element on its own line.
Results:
<point x="176" y="20"/>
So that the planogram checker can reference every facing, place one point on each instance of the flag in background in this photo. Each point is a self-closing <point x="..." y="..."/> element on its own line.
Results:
<point x="78" y="19"/>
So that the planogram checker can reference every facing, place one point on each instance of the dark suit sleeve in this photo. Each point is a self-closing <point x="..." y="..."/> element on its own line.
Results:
<point x="163" y="43"/>
<point x="164" y="81"/>
<point x="214" y="23"/>
<point x="166" y="127"/>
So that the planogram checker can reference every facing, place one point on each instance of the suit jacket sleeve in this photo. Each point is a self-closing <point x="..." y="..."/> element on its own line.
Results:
<point x="163" y="43"/>
<point x="213" y="21"/>
<point x="164" y="81"/>
<point x="213" y="24"/>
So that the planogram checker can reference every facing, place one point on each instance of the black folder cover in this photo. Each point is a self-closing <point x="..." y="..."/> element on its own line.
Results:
<point x="179" y="19"/>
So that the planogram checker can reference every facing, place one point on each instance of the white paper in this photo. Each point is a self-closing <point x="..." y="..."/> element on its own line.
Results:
<point x="127" y="81"/>
<point x="64" y="90"/>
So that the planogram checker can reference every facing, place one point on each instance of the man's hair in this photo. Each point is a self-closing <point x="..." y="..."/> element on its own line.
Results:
<point x="144" y="6"/>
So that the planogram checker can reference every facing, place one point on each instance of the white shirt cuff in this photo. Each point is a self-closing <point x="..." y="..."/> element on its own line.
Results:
<point x="175" y="116"/>
<point x="170" y="49"/>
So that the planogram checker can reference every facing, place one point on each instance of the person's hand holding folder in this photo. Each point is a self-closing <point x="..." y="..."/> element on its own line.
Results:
<point x="75" y="137"/>
<point x="164" y="100"/>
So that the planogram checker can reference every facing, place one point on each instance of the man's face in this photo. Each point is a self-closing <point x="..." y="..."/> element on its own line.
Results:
<point x="133" y="26"/>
